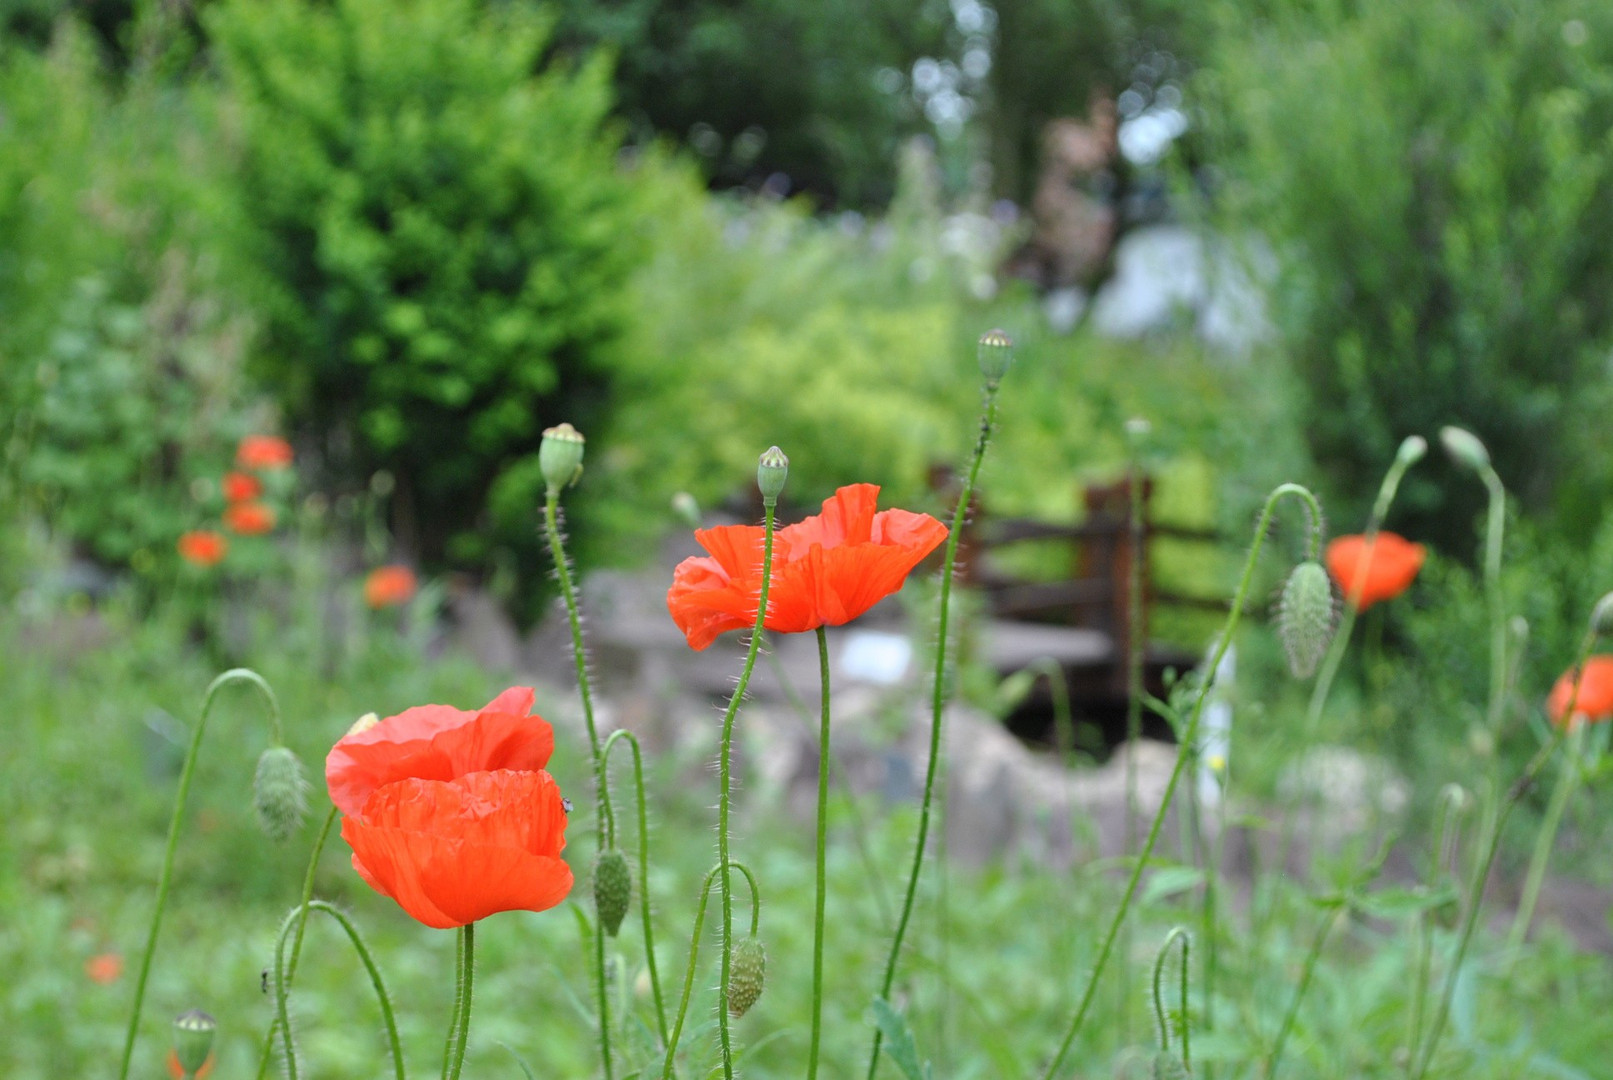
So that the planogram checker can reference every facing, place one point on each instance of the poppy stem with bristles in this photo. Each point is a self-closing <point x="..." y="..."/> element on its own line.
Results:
<point x="822" y="865"/>
<point x="694" y="953"/>
<point x="1567" y="781"/>
<point x="467" y="977"/>
<point x="623" y="735"/>
<point x="166" y="878"/>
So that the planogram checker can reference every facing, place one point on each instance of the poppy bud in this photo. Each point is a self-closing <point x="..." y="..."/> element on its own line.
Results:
<point x="280" y="793"/>
<point x="996" y="353"/>
<point x="1305" y="617"/>
<point x="1412" y="449"/>
<point x="771" y="470"/>
<point x="613" y="889"/>
<point x="745" y="980"/>
<point x="687" y="509"/>
<point x="1167" y="1066"/>
<point x="1602" y="616"/>
<point x="1465" y="448"/>
<point x="560" y="457"/>
<point x="193" y="1040"/>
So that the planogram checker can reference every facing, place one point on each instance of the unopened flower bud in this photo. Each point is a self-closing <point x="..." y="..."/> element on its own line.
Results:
<point x="746" y="977"/>
<point x="364" y="723"/>
<point x="560" y="457"/>
<point x="1412" y="449"/>
<point x="613" y="889"/>
<point x="193" y="1040"/>
<point x="687" y="509"/>
<point x="771" y="470"/>
<point x="996" y="354"/>
<point x="280" y="793"/>
<point x="1465" y="448"/>
<point x="1305" y="617"/>
<point x="1602" y="616"/>
<point x="1167" y="1066"/>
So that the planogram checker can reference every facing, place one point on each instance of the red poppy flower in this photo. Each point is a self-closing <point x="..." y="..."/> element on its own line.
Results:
<point x="450" y="813"/>
<point x="177" y="1071"/>
<point x="827" y="570"/>
<point x="263" y="452"/>
<point x="249" y="518"/>
<point x="203" y="547"/>
<point x="103" y="969"/>
<point x="1595" y="698"/>
<point x="389" y="586"/>
<point x="1389" y="566"/>
<point x="241" y="487"/>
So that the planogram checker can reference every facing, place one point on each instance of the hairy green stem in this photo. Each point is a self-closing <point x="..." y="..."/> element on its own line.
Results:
<point x="296" y="941"/>
<point x="628" y="737"/>
<point x="1183" y="754"/>
<point x="1312" y="958"/>
<point x="988" y="420"/>
<point x="1134" y="699"/>
<point x="462" y="1006"/>
<point x="694" y="954"/>
<point x="459" y="998"/>
<point x="166" y="878"/>
<point x="1567" y="782"/>
<point x="1161" y="1016"/>
<point x="822" y="861"/>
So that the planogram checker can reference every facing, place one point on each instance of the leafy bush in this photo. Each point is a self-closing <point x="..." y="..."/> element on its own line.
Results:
<point x="443" y="243"/>
<point x="1437" y="181"/>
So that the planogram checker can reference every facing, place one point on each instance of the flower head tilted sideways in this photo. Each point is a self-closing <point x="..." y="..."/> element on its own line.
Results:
<point x="827" y="570"/>
<point x="450" y="812"/>
<point x="1593" y="701"/>
<point x="1389" y="564"/>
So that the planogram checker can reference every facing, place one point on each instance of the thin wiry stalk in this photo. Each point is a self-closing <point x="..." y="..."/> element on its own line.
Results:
<point x="1306" y="973"/>
<point x="822" y="855"/>
<point x="296" y="942"/>
<point x="462" y="1010"/>
<point x="694" y="954"/>
<point x="643" y="868"/>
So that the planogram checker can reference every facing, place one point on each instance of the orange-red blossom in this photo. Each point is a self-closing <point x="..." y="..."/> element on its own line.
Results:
<point x="1383" y="569"/>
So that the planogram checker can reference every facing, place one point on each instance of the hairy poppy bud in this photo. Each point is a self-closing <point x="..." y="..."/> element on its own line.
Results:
<point x="280" y="793"/>
<point x="1602" y="616"/>
<point x="613" y="889"/>
<point x="1412" y="449"/>
<point x="1167" y="1066"/>
<point x="996" y="353"/>
<point x="560" y="457"/>
<point x="1305" y="617"/>
<point x="1465" y="448"/>
<point x="745" y="980"/>
<point x="771" y="470"/>
<point x="193" y="1040"/>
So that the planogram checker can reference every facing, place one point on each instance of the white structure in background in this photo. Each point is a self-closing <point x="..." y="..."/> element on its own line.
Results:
<point x="1168" y="274"/>
<point x="1215" y="730"/>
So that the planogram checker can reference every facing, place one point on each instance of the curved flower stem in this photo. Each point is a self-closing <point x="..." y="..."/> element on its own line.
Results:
<point x="823" y="835"/>
<point x="1481" y="872"/>
<point x="694" y="953"/>
<point x="233" y="675"/>
<point x="298" y="919"/>
<point x="462" y="1007"/>
<point x="623" y="735"/>
<point x="988" y="420"/>
<point x="296" y="942"/>
<point x="1494" y="528"/>
<point x="1567" y="782"/>
<point x="1306" y="973"/>
<point x="605" y="819"/>
<point x="1184" y="752"/>
<point x="1162" y="1017"/>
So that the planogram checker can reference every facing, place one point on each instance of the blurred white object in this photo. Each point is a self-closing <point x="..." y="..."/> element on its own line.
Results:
<point x="1215" y="731"/>
<point x="873" y="656"/>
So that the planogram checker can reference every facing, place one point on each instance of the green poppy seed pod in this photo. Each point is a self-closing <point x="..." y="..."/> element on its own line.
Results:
<point x="613" y="889"/>
<point x="1305" y="617"/>
<point x="280" y="793"/>
<point x="1412" y="449"/>
<point x="746" y="977"/>
<point x="1167" y="1066"/>
<point x="772" y="468"/>
<point x="996" y="355"/>
<point x="193" y="1040"/>
<point x="560" y="457"/>
<point x="1464" y="448"/>
<point x="1602" y="616"/>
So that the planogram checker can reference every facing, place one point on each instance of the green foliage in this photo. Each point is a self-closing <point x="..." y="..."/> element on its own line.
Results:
<point x="1436" y="179"/>
<point x="443" y="242"/>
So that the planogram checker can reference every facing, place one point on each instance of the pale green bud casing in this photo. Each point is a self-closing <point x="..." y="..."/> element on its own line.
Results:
<point x="193" y="1040"/>
<point x="560" y="457"/>
<point x="686" y="509"/>
<point x="1305" y="617"/>
<point x="1465" y="448"/>
<point x="280" y="793"/>
<point x="746" y="978"/>
<point x="1412" y="449"/>
<point x="995" y="354"/>
<point x="1167" y="1066"/>
<point x="772" y="469"/>
<point x="613" y="889"/>
<point x="1602" y="617"/>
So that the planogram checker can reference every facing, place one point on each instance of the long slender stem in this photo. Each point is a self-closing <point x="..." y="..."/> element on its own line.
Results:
<point x="166" y="878"/>
<point x="296" y="941"/>
<point x="459" y="1002"/>
<point x="1493" y="531"/>
<point x="1160" y="1014"/>
<point x="1183" y="754"/>
<point x="694" y="954"/>
<point x="1567" y="781"/>
<point x="468" y="935"/>
<point x="1134" y="697"/>
<point x="1306" y="973"/>
<point x="823" y="880"/>
<point x="623" y="735"/>
<point x="723" y="799"/>
<point x="605" y="821"/>
<point x="1419" y="993"/>
<point x="282" y="994"/>
<point x="988" y="420"/>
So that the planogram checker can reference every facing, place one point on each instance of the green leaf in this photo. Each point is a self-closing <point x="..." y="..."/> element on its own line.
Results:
<point x="899" y="1043"/>
<point x="1169" y="881"/>
<point x="1398" y="903"/>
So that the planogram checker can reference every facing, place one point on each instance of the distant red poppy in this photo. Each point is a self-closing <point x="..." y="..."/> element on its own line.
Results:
<point x="827" y="570"/>
<point x="451" y="813"/>
<point x="203" y="547"/>
<point x="249" y="518"/>
<point x="1595" y="698"/>
<point x="103" y="969"/>
<point x="1389" y="566"/>
<point x="263" y="452"/>
<point x="389" y="586"/>
<point x="241" y="487"/>
<point x="177" y="1071"/>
